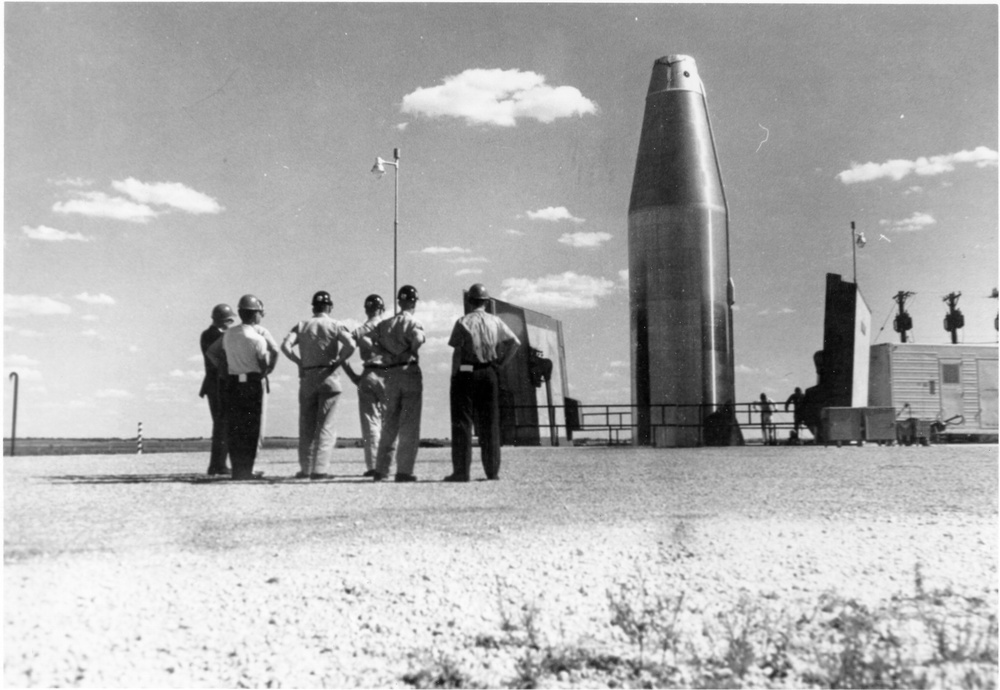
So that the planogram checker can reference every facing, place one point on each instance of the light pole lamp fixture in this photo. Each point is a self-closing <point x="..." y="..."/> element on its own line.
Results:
<point x="379" y="170"/>
<point x="858" y="241"/>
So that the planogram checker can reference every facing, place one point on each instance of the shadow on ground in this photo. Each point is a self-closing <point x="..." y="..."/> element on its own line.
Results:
<point x="189" y="479"/>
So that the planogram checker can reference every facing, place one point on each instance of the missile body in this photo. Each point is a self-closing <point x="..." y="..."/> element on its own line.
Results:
<point x="678" y="243"/>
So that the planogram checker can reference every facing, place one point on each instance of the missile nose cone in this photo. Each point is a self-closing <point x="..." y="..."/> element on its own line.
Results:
<point x="680" y="295"/>
<point x="675" y="73"/>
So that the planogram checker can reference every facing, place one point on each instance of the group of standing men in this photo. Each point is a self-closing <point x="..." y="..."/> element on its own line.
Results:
<point x="239" y="357"/>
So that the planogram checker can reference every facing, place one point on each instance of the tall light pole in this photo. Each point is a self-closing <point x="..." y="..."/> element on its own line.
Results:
<point x="379" y="170"/>
<point x="858" y="240"/>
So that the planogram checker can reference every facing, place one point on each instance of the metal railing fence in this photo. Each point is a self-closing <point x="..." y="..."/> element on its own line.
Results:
<point x="618" y="421"/>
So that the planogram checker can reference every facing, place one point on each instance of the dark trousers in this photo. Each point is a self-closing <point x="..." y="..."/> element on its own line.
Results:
<point x="243" y="402"/>
<point x="475" y="395"/>
<point x="220" y="449"/>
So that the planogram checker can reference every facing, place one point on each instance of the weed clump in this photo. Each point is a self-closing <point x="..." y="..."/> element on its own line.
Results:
<point x="931" y="638"/>
<point x="439" y="672"/>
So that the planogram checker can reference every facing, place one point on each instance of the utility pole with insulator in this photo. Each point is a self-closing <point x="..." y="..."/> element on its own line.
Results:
<point x="996" y="319"/>
<point x="953" y="320"/>
<point x="902" y="323"/>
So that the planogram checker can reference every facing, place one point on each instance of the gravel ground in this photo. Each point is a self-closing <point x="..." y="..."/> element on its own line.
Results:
<point x="137" y="571"/>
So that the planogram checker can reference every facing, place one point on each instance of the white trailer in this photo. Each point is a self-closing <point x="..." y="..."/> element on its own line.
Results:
<point x="954" y="385"/>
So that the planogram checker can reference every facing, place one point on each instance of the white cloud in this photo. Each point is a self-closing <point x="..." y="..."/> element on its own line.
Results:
<point x="585" y="240"/>
<point x="350" y="323"/>
<point x="744" y="369"/>
<point x="401" y="127"/>
<point x="618" y="364"/>
<point x="468" y="271"/>
<point x="113" y="393"/>
<point x="72" y="182"/>
<point x="565" y="291"/>
<point x="23" y="332"/>
<point x="917" y="221"/>
<point x="438" y="316"/>
<point x="23" y="373"/>
<point x="445" y="250"/>
<point x="469" y="260"/>
<point x="188" y="374"/>
<point x="19" y="361"/>
<point x="95" y="299"/>
<point x="32" y="305"/>
<point x="47" y="234"/>
<point x="442" y="368"/>
<point x="497" y="97"/>
<point x="897" y="169"/>
<point x="100" y="205"/>
<point x="90" y="317"/>
<point x="172" y="194"/>
<point x="915" y="189"/>
<point x="90" y="333"/>
<point x="515" y="233"/>
<point x="439" y="343"/>
<point x="554" y="214"/>
<point x="133" y="348"/>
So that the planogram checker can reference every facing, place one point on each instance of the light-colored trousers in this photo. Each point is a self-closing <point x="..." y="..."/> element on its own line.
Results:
<point x="319" y="393"/>
<point x="404" y="393"/>
<point x="371" y="407"/>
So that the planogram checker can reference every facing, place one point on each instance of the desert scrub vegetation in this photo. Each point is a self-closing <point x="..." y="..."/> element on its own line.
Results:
<point x="927" y="638"/>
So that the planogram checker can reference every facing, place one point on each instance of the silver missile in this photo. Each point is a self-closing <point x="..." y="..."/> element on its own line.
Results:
<point x="680" y="289"/>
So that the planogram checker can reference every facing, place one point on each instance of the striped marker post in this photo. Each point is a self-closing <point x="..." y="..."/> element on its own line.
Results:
<point x="138" y="441"/>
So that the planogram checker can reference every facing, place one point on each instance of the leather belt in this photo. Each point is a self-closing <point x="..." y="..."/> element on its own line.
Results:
<point x="243" y="378"/>
<point x="478" y="366"/>
<point x="383" y="367"/>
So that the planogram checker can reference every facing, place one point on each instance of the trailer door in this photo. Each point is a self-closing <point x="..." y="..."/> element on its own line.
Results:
<point x="951" y="389"/>
<point x="987" y="394"/>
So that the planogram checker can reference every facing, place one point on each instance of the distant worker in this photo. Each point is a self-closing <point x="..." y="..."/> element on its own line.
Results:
<point x="395" y="342"/>
<point x="795" y="400"/>
<point x="483" y="345"/>
<point x="371" y="385"/>
<point x="250" y="354"/>
<point x="323" y="346"/>
<point x="767" y="429"/>
<point x="223" y="317"/>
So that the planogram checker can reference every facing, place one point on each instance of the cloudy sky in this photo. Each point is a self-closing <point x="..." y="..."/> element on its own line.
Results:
<point x="162" y="158"/>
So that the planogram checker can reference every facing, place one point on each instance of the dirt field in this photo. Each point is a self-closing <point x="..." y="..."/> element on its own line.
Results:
<point x="138" y="571"/>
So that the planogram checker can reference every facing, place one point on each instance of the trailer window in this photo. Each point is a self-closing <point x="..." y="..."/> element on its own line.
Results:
<point x="950" y="373"/>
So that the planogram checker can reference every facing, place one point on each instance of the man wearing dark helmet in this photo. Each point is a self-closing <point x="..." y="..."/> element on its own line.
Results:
<point x="370" y="383"/>
<point x="396" y="342"/>
<point x="483" y="345"/>
<point x="323" y="346"/>
<point x="249" y="354"/>
<point x="223" y="317"/>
